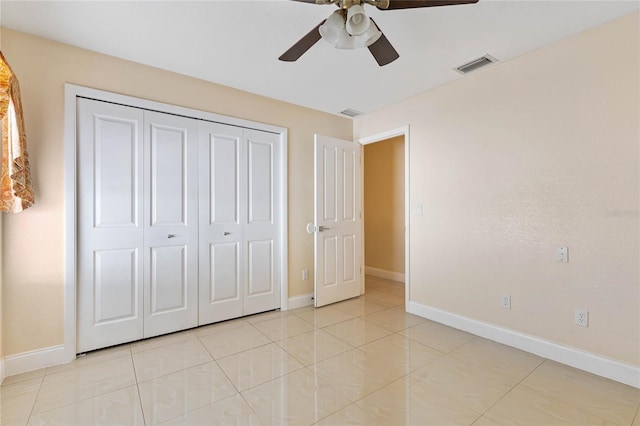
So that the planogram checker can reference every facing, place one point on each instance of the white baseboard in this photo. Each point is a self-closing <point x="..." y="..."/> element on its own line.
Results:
<point x="383" y="273"/>
<point x="605" y="367"/>
<point x="300" y="301"/>
<point x="34" y="360"/>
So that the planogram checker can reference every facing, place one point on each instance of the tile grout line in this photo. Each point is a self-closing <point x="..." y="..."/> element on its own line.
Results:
<point x="511" y="389"/>
<point x="33" y="406"/>
<point x="76" y="401"/>
<point x="570" y="404"/>
<point x="135" y="375"/>
<point x="637" y="416"/>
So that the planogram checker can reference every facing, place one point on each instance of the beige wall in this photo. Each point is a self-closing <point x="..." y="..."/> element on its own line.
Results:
<point x="33" y="240"/>
<point x="512" y="161"/>
<point x="384" y="204"/>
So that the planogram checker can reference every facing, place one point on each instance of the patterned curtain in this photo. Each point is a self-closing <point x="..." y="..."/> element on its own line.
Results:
<point x="15" y="179"/>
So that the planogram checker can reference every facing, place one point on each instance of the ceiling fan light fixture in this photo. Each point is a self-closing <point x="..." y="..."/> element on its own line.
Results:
<point x="346" y="41"/>
<point x="357" y="21"/>
<point x="372" y="35"/>
<point x="333" y="27"/>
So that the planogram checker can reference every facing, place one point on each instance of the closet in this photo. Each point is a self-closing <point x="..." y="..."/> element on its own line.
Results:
<point x="178" y="223"/>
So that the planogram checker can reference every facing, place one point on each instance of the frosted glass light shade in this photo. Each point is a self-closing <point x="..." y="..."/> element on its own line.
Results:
<point x="372" y="35"/>
<point x="357" y="21"/>
<point x="334" y="31"/>
<point x="333" y="26"/>
<point x="346" y="41"/>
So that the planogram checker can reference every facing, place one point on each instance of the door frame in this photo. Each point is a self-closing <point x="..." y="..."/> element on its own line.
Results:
<point x="71" y="93"/>
<point x="379" y="137"/>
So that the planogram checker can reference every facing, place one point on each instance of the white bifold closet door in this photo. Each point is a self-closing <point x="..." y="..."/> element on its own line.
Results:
<point x="137" y="224"/>
<point x="239" y="221"/>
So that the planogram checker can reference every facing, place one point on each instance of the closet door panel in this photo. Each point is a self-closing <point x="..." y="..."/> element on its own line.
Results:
<point x="169" y="174"/>
<point x="169" y="289"/>
<point x="262" y="230"/>
<point x="171" y="223"/>
<point x="110" y="231"/>
<point x="115" y="285"/>
<point x="225" y="285"/>
<point x="222" y="192"/>
<point x="260" y="262"/>
<point x="260" y="181"/>
<point x="224" y="178"/>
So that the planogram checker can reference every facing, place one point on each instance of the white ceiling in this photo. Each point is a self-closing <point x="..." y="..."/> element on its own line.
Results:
<point x="236" y="43"/>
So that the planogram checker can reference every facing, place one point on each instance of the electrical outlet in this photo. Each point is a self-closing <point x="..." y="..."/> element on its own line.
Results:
<point x="305" y="274"/>
<point x="581" y="317"/>
<point x="562" y="254"/>
<point x="505" y="301"/>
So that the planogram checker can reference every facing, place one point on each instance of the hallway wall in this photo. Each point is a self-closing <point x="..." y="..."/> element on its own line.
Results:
<point x="384" y="206"/>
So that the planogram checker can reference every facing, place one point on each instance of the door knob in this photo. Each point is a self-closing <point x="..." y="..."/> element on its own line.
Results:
<point x="311" y="228"/>
<point x="226" y="233"/>
<point x="171" y="235"/>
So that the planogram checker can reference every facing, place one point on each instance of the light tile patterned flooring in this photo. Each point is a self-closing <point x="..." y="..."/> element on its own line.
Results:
<point x="360" y="362"/>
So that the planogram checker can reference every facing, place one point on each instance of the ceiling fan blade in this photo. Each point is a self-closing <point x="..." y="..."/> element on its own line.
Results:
<point x="382" y="50"/>
<point x="410" y="4"/>
<point x="302" y="45"/>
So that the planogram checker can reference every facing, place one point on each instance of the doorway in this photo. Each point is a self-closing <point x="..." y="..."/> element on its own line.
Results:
<point x="384" y="209"/>
<point x="385" y="206"/>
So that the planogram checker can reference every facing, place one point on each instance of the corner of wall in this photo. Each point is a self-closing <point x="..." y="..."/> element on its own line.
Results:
<point x="564" y="354"/>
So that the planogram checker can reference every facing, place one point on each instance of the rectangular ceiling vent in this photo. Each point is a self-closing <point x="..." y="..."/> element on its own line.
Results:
<point x="475" y="64"/>
<point x="350" y="112"/>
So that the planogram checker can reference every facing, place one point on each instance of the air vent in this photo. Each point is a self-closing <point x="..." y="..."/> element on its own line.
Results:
<point x="350" y="112"/>
<point x="475" y="64"/>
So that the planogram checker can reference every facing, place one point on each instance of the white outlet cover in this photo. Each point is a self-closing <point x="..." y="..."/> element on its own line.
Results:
<point x="505" y="301"/>
<point x="581" y="317"/>
<point x="562" y="254"/>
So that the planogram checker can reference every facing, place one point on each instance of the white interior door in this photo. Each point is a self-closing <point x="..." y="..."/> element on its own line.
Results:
<point x="239" y="222"/>
<point x="222" y="186"/>
<point x="337" y="219"/>
<point x="110" y="224"/>
<point x="138" y="224"/>
<point x="262" y="222"/>
<point x="171" y="223"/>
<point x="179" y="223"/>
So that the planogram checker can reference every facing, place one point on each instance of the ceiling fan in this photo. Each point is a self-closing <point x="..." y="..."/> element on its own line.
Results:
<point x="350" y="28"/>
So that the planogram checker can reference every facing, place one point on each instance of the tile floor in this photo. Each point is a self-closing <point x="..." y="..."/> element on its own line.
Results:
<point x="360" y="362"/>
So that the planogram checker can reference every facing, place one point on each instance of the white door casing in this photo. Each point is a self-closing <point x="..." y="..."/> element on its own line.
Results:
<point x="337" y="216"/>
